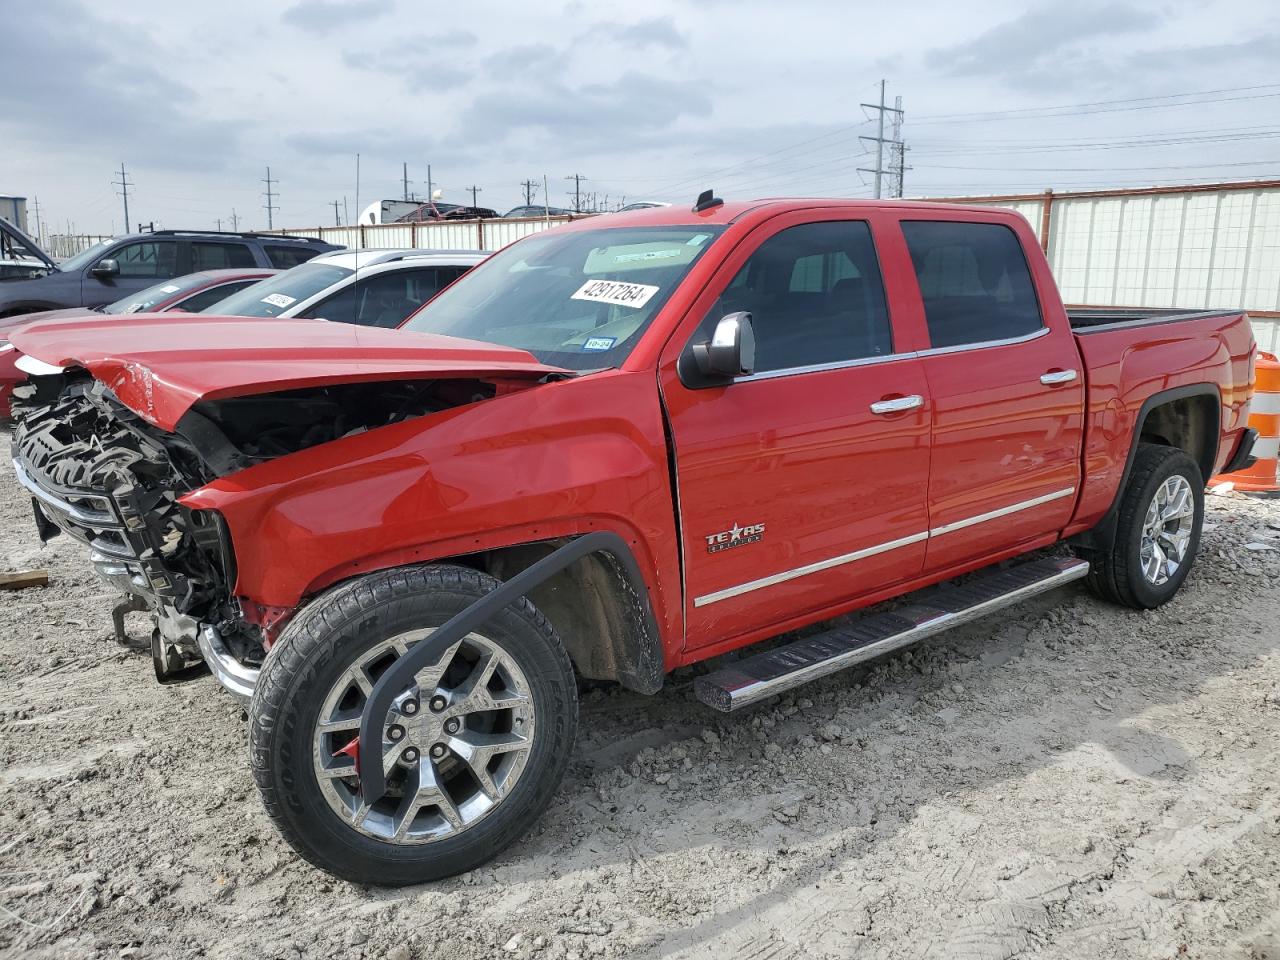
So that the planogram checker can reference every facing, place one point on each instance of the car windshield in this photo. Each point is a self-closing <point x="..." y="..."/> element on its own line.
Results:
<point x="272" y="297"/>
<point x="84" y="257"/>
<point x="575" y="299"/>
<point x="147" y="299"/>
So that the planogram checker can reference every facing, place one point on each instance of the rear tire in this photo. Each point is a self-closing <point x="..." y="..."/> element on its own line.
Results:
<point x="1157" y="534"/>
<point x="457" y="799"/>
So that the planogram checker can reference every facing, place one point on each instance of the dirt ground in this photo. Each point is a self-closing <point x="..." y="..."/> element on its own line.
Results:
<point x="1068" y="780"/>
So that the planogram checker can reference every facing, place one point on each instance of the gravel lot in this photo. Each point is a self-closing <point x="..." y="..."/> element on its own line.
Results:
<point x="1068" y="780"/>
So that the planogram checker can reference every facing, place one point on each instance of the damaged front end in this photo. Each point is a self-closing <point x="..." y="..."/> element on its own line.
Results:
<point x="99" y="472"/>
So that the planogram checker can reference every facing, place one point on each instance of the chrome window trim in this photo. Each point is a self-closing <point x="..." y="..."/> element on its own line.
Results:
<point x="984" y="344"/>
<point x="820" y="565"/>
<point x="823" y="367"/>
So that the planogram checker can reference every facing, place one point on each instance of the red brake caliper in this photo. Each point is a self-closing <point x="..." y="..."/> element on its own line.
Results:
<point x="351" y="750"/>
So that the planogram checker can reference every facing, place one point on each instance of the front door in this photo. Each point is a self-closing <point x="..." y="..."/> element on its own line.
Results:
<point x="804" y="483"/>
<point x="1007" y="390"/>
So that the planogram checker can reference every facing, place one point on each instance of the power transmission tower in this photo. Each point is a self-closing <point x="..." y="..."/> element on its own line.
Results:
<point x="337" y="221"/>
<point x="124" y="185"/>
<point x="473" y="191"/>
<point x="270" y="195"/>
<point x="530" y="188"/>
<point x="879" y="139"/>
<point x="405" y="178"/>
<point x="897" y="152"/>
<point x="577" y="179"/>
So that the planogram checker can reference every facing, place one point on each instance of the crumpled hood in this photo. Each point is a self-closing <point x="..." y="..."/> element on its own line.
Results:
<point x="160" y="365"/>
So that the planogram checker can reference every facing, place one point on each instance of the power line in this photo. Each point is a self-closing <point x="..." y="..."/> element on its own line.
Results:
<point x="269" y="206"/>
<point x="577" y="179"/>
<point x="124" y="185"/>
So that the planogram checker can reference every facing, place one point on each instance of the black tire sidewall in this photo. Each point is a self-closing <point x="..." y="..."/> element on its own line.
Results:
<point x="311" y="824"/>
<point x="1144" y="592"/>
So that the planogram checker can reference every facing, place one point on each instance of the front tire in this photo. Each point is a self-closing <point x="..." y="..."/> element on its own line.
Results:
<point x="1158" y="531"/>
<point x="471" y="766"/>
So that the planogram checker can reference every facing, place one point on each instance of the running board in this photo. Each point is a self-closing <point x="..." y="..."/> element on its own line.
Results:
<point x="752" y="679"/>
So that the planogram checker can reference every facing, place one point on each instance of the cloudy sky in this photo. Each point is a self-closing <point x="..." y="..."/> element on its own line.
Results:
<point x="654" y="100"/>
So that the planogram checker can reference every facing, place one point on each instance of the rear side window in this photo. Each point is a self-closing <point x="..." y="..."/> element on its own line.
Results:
<point x="282" y="258"/>
<point x="815" y="296"/>
<point x="974" y="281"/>
<point x="220" y="256"/>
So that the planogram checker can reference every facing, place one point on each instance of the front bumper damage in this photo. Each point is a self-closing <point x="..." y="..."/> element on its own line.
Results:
<point x="114" y="485"/>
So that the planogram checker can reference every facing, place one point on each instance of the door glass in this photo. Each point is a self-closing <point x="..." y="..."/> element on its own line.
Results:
<point x="207" y="298"/>
<point x="974" y="281"/>
<point x="381" y="301"/>
<point x="815" y="296"/>
<point x="220" y="256"/>
<point x="153" y="259"/>
<point x="282" y="258"/>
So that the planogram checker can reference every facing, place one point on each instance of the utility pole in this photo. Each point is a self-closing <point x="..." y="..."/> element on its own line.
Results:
<point x="431" y="197"/>
<point x="218" y="221"/>
<point x="337" y="222"/>
<point x="879" y="140"/>
<point x="405" y="177"/>
<point x="529" y="187"/>
<point x="346" y="214"/>
<point x="577" y="179"/>
<point x="473" y="190"/>
<point x="35" y="203"/>
<point x="270" y="195"/>
<point x="898" y="157"/>
<point x="235" y="221"/>
<point x="124" y="185"/>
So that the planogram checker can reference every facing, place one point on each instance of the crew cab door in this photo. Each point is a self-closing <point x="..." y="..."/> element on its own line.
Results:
<point x="797" y="488"/>
<point x="1007" y="387"/>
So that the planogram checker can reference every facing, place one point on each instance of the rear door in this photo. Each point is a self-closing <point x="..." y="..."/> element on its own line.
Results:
<point x="793" y="492"/>
<point x="1007" y="388"/>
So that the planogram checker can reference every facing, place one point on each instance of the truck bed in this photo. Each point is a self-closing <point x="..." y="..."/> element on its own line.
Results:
<point x="1089" y="319"/>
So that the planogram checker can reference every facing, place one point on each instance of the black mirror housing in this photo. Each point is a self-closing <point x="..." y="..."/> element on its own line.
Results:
<point x="106" y="267"/>
<point x="731" y="351"/>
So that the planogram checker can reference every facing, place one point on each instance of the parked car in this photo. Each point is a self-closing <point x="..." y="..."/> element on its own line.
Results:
<point x="471" y="213"/>
<point x="20" y="256"/>
<point x="536" y="210"/>
<point x="114" y="269"/>
<point x="378" y="288"/>
<point x="623" y="446"/>
<point x="189" y="293"/>
<point x="427" y="211"/>
<point x="643" y="205"/>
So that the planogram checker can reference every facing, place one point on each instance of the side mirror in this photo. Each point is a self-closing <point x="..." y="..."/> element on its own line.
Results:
<point x="731" y="351"/>
<point x="105" y="268"/>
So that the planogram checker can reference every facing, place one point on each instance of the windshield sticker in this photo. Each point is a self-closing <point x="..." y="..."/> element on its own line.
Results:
<point x="698" y="239"/>
<point x="279" y="300"/>
<point x="170" y="288"/>
<point x="616" y="292"/>
<point x="647" y="255"/>
<point x="600" y="343"/>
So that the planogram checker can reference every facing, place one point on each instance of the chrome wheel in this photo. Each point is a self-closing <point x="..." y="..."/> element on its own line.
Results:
<point x="1166" y="530"/>
<point x="454" y="747"/>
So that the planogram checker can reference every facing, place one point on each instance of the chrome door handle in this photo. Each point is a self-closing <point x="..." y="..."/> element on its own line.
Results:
<point x="1056" y="377"/>
<point x="897" y="404"/>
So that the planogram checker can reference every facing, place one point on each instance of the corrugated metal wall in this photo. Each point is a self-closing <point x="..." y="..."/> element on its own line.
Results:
<point x="448" y="235"/>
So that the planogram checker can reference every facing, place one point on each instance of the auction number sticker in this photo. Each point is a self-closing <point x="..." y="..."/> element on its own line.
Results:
<point x="616" y="292"/>
<point x="278" y="299"/>
<point x="169" y="288"/>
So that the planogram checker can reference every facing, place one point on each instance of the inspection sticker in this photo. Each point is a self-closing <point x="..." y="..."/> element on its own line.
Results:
<point x="615" y="291"/>
<point x="278" y="299"/>
<point x="600" y="343"/>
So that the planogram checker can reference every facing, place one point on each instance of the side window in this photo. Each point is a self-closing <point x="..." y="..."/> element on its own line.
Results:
<point x="815" y="296"/>
<point x="220" y="256"/>
<point x="974" y="281"/>
<point x="382" y="301"/>
<point x="282" y="258"/>
<point x="207" y="298"/>
<point x="149" y="259"/>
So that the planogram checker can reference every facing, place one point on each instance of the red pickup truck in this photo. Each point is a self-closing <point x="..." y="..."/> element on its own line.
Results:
<point x="621" y="446"/>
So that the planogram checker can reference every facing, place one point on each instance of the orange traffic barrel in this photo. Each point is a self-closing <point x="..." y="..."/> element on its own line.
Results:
<point x="1263" y="478"/>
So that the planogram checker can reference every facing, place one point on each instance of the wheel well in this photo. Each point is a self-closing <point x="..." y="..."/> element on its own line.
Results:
<point x="599" y="611"/>
<point x="1189" y="423"/>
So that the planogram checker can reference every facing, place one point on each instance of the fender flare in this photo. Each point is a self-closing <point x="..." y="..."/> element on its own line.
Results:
<point x="1102" y="535"/>
<point x="400" y="675"/>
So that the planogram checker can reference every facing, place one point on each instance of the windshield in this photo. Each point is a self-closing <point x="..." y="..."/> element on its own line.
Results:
<point x="578" y="299"/>
<point x="272" y="297"/>
<point x="147" y="299"/>
<point x="84" y="257"/>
